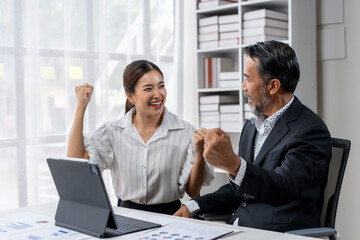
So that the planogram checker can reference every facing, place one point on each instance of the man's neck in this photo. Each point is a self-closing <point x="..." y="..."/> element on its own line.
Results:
<point x="277" y="103"/>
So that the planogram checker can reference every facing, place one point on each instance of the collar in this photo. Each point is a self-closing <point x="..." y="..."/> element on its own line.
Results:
<point x="270" y="121"/>
<point x="170" y="122"/>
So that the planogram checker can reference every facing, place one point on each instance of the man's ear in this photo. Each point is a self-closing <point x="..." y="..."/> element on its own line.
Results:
<point x="274" y="86"/>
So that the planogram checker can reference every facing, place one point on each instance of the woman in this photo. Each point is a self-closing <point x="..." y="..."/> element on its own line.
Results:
<point x="153" y="156"/>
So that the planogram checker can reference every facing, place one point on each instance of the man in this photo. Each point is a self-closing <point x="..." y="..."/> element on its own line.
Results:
<point x="278" y="177"/>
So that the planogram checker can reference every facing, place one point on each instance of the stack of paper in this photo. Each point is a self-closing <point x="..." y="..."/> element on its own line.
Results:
<point x="263" y="25"/>
<point x="229" y="80"/>
<point x="219" y="31"/>
<point x="209" y="109"/>
<point x="229" y="27"/>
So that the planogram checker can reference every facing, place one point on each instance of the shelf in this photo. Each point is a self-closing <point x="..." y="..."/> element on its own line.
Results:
<point x="219" y="49"/>
<point x="301" y="36"/>
<point x="223" y="9"/>
<point x="284" y="41"/>
<point x="265" y="3"/>
<point x="210" y="90"/>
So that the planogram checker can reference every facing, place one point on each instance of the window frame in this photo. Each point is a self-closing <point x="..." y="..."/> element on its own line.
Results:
<point x="19" y="52"/>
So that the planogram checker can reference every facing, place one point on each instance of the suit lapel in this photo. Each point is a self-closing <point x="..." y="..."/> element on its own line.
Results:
<point x="246" y="151"/>
<point x="279" y="130"/>
<point x="251" y="146"/>
<point x="277" y="133"/>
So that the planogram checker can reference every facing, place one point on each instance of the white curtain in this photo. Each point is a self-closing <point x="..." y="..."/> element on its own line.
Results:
<point x="49" y="47"/>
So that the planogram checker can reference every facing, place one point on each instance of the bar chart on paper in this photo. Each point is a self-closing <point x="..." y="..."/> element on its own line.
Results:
<point x="29" y="226"/>
<point x="18" y="226"/>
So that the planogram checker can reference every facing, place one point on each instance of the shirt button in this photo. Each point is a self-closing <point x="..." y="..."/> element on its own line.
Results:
<point x="243" y="204"/>
<point x="145" y="187"/>
<point x="143" y="167"/>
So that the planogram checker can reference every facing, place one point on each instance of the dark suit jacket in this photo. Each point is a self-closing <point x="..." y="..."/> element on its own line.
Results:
<point x="283" y="187"/>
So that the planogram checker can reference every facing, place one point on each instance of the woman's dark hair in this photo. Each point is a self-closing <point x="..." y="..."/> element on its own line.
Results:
<point x="132" y="73"/>
<point x="276" y="60"/>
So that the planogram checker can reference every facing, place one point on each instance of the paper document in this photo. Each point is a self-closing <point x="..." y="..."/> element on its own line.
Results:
<point x="185" y="230"/>
<point x="29" y="226"/>
<point x="150" y="217"/>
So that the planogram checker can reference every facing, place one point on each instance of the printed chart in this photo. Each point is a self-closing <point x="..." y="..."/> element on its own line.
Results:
<point x="29" y="226"/>
<point x="179" y="230"/>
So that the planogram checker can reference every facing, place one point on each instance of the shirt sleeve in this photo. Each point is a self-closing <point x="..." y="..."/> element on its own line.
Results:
<point x="240" y="175"/>
<point x="192" y="206"/>
<point x="99" y="146"/>
<point x="188" y="165"/>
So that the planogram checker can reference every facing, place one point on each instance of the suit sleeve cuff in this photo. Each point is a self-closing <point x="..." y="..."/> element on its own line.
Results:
<point x="240" y="175"/>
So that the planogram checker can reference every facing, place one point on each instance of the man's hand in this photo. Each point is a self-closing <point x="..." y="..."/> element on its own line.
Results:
<point x="219" y="153"/>
<point x="183" y="212"/>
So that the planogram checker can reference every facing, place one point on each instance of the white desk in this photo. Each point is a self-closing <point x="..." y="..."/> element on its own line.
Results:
<point x="246" y="233"/>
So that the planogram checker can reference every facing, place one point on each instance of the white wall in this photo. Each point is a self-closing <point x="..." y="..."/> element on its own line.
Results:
<point x="338" y="92"/>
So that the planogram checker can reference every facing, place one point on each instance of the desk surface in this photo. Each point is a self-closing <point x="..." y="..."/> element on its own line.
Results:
<point x="246" y="233"/>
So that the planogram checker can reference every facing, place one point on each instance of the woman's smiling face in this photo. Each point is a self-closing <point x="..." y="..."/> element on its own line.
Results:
<point x="150" y="94"/>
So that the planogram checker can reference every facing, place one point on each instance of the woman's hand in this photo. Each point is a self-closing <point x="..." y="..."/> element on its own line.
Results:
<point x="183" y="212"/>
<point x="198" y="138"/>
<point x="197" y="175"/>
<point x="83" y="94"/>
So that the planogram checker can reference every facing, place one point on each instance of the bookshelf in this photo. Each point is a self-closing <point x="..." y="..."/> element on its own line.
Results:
<point x="300" y="34"/>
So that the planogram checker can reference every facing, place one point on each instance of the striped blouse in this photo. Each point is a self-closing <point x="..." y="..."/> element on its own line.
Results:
<point x="146" y="173"/>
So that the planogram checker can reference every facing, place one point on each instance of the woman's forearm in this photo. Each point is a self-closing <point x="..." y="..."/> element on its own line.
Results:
<point x="76" y="146"/>
<point x="197" y="177"/>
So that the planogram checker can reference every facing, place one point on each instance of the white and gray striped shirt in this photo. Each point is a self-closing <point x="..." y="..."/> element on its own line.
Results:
<point x="146" y="173"/>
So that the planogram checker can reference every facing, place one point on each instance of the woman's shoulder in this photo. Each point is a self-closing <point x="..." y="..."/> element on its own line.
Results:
<point x="122" y="121"/>
<point x="113" y="124"/>
<point x="176" y="122"/>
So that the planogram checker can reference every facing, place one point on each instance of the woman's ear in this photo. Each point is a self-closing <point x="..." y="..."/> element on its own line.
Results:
<point x="129" y="97"/>
<point x="274" y="86"/>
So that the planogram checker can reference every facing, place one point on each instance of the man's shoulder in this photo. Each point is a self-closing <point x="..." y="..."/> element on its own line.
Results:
<point x="299" y="111"/>
<point x="309" y="115"/>
<point x="305" y="120"/>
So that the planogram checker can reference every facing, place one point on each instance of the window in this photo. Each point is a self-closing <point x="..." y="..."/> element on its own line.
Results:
<point x="46" y="49"/>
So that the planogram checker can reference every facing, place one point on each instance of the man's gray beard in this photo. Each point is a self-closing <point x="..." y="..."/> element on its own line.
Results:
<point x="259" y="110"/>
